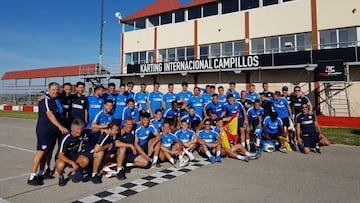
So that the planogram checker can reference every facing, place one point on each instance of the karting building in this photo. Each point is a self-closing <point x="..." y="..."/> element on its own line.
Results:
<point x="311" y="43"/>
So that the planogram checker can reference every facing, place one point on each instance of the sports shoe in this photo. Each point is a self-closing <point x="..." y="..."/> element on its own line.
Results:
<point x="282" y="149"/>
<point x="218" y="158"/>
<point x="155" y="165"/>
<point x="246" y="159"/>
<point x="258" y="155"/>
<point x="212" y="159"/>
<point x="40" y="179"/>
<point x="34" y="182"/>
<point x="96" y="179"/>
<point x="48" y="174"/>
<point x="191" y="156"/>
<point x="184" y="162"/>
<point x="62" y="181"/>
<point x="297" y="147"/>
<point x="313" y="150"/>
<point x="121" y="175"/>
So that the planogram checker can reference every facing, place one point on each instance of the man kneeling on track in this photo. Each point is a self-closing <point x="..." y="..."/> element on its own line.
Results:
<point x="69" y="154"/>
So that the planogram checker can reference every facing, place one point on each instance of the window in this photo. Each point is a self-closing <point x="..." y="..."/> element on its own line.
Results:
<point x="229" y="6"/>
<point x="204" y="52"/>
<point x="128" y="58"/>
<point x="239" y="48"/>
<point x="328" y="39"/>
<point x="179" y="16"/>
<point x="270" y="2"/>
<point x="287" y="43"/>
<point x="248" y="4"/>
<point x="140" y="24"/>
<point x="194" y="12"/>
<point x="190" y="53"/>
<point x="143" y="57"/>
<point x="272" y="44"/>
<point x="304" y="41"/>
<point x="135" y="59"/>
<point x="166" y="18"/>
<point x="150" y="57"/>
<point x="180" y="54"/>
<point x="227" y="49"/>
<point x="153" y="21"/>
<point x="210" y="9"/>
<point x="215" y="50"/>
<point x="129" y="26"/>
<point x="347" y="37"/>
<point x="162" y="55"/>
<point x="287" y="0"/>
<point x="257" y="46"/>
<point x="171" y="55"/>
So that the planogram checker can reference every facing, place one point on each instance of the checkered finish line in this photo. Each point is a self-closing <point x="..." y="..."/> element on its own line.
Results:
<point x="144" y="183"/>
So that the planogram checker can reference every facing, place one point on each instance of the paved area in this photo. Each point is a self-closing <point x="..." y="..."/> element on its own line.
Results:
<point x="332" y="176"/>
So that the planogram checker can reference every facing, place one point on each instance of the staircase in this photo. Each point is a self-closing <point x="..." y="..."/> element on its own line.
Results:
<point x="336" y="99"/>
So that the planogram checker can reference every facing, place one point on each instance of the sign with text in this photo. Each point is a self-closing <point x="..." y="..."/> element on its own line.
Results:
<point x="330" y="71"/>
<point x="236" y="62"/>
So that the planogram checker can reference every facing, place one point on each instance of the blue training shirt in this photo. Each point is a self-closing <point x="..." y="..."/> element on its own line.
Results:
<point x="272" y="127"/>
<point x="96" y="104"/>
<point x="120" y="105"/>
<point x="102" y="119"/>
<point x="280" y="106"/>
<point x="197" y="103"/>
<point x="141" y="99"/>
<point x="143" y="133"/>
<point x="167" y="99"/>
<point x="232" y="109"/>
<point x="155" y="99"/>
<point x="168" y="140"/>
<point x="133" y="113"/>
<point x="184" y="95"/>
<point x="208" y="137"/>
<point x="185" y="136"/>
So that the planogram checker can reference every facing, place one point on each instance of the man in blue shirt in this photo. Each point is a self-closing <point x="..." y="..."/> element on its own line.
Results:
<point x="48" y="127"/>
<point x="157" y="121"/>
<point x="215" y="105"/>
<point x="273" y="128"/>
<point x="155" y="99"/>
<point x="255" y="115"/>
<point x="184" y="95"/>
<point x="129" y="93"/>
<point x="169" y="97"/>
<point x="96" y="104"/>
<point x="232" y="91"/>
<point x="222" y="95"/>
<point x="196" y="101"/>
<point x="232" y="107"/>
<point x="210" y="143"/>
<point x="103" y="149"/>
<point x="188" y="138"/>
<point x="195" y="121"/>
<point x="148" y="140"/>
<point x="141" y="97"/>
<point x="120" y="104"/>
<point x="103" y="118"/>
<point x="206" y="96"/>
<point x="170" y="147"/>
<point x="251" y="94"/>
<point x="110" y="94"/>
<point x="247" y="103"/>
<point x="130" y="111"/>
<point x="172" y="116"/>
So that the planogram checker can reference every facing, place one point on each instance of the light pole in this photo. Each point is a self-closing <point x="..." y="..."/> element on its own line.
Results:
<point x="102" y="23"/>
<point x="119" y="17"/>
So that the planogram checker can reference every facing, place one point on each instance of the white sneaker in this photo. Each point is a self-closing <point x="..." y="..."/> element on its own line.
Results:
<point x="191" y="156"/>
<point x="283" y="149"/>
<point x="183" y="162"/>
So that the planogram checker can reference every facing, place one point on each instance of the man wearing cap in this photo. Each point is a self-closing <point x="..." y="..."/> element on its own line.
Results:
<point x="285" y="93"/>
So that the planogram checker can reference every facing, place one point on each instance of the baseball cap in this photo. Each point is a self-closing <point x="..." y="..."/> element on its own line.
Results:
<point x="285" y="88"/>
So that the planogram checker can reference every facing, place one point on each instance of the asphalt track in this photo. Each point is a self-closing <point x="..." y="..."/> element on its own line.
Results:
<point x="332" y="176"/>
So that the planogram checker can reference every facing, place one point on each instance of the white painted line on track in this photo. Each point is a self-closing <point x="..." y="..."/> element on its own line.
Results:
<point x="18" y="148"/>
<point x="13" y="177"/>
<point x="16" y="127"/>
<point x="3" y="201"/>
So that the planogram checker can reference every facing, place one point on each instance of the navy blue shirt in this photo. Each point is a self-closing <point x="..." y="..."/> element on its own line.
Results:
<point x="78" y="106"/>
<point x="43" y="122"/>
<point x="307" y="122"/>
<point x="69" y="145"/>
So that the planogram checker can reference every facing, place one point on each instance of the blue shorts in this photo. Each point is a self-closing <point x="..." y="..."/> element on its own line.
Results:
<point x="310" y="139"/>
<point x="130" y="156"/>
<point x="46" y="140"/>
<point x="241" y="123"/>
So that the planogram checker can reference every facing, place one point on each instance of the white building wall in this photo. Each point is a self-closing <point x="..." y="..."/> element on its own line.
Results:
<point x="337" y="14"/>
<point x="140" y="40"/>
<point x="221" y="28"/>
<point x="287" y="18"/>
<point x="175" y="35"/>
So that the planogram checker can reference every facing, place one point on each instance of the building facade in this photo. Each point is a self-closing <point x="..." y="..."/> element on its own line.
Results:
<point x="282" y="42"/>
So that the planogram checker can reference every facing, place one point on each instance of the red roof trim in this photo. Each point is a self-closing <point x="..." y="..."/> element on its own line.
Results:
<point x="75" y="70"/>
<point x="163" y="6"/>
<point x="160" y="6"/>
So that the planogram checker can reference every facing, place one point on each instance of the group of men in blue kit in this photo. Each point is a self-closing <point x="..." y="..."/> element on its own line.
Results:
<point x="144" y="129"/>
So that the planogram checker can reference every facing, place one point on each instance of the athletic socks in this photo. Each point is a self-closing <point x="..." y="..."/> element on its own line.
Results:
<point x="32" y="175"/>
<point x="155" y="159"/>
<point x="243" y="144"/>
<point x="217" y="153"/>
<point x="208" y="154"/>
<point x="93" y="174"/>
<point x="248" y="144"/>
<point x="119" y="169"/>
<point x="172" y="161"/>
<point x="241" y="157"/>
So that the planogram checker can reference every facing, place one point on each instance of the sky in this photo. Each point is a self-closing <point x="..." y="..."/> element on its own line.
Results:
<point x="53" y="33"/>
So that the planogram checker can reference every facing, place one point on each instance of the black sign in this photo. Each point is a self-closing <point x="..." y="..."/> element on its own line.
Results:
<point x="236" y="62"/>
<point x="330" y="71"/>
